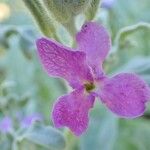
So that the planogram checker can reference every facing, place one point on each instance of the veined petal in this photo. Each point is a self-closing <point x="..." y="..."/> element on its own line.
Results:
<point x="60" y="61"/>
<point x="125" y="94"/>
<point x="94" y="40"/>
<point x="72" y="111"/>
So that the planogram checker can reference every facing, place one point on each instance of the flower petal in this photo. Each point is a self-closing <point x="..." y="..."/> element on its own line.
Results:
<point x="94" y="40"/>
<point x="72" y="111"/>
<point x="60" y="61"/>
<point x="125" y="94"/>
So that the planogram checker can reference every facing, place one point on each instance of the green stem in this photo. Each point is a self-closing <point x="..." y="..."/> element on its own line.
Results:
<point x="72" y="141"/>
<point x="42" y="17"/>
<point x="70" y="26"/>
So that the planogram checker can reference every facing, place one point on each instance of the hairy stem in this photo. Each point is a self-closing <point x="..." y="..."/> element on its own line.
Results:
<point x="42" y="17"/>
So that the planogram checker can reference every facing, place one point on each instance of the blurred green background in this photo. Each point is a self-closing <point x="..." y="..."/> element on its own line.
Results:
<point x="25" y="89"/>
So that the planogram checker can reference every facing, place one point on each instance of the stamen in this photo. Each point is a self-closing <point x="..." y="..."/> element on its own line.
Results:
<point x="89" y="87"/>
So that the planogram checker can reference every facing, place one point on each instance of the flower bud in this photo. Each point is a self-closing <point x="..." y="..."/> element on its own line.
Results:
<point x="77" y="6"/>
<point x="58" y="9"/>
<point x="65" y="10"/>
<point x="92" y="9"/>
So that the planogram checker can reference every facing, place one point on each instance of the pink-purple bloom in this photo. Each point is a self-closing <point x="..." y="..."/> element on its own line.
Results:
<point x="124" y="94"/>
<point x="5" y="125"/>
<point x="28" y="120"/>
<point x="107" y="4"/>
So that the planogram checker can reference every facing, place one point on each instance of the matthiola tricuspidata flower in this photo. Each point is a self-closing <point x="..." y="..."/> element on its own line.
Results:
<point x="107" y="4"/>
<point x="28" y="120"/>
<point x="124" y="94"/>
<point x="5" y="125"/>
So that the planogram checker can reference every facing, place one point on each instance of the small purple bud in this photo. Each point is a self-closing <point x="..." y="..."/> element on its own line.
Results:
<point x="5" y="125"/>
<point x="107" y="4"/>
<point x="28" y="120"/>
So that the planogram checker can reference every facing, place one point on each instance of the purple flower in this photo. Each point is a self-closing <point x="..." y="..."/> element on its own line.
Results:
<point x="124" y="94"/>
<point x="28" y="120"/>
<point x="107" y="4"/>
<point x="5" y="125"/>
